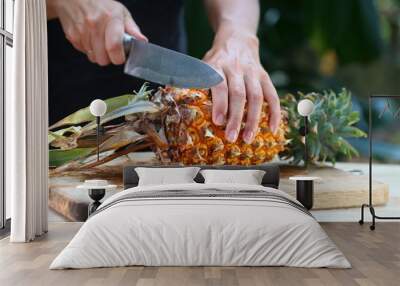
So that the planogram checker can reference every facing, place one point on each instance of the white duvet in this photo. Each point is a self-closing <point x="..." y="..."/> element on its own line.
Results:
<point x="200" y="231"/>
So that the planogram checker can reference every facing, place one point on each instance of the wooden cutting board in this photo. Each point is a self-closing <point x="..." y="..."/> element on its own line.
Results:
<point x="336" y="189"/>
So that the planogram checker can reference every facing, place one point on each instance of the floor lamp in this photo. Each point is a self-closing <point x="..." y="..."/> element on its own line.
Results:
<point x="96" y="188"/>
<point x="98" y="108"/>
<point x="305" y="107"/>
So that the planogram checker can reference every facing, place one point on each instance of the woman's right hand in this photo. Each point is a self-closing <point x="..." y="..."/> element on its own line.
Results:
<point x="95" y="27"/>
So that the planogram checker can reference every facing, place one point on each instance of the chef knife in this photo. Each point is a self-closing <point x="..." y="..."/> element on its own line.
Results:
<point x="167" y="67"/>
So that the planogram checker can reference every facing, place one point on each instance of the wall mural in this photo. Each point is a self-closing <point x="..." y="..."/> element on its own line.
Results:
<point x="168" y="126"/>
<point x="148" y="125"/>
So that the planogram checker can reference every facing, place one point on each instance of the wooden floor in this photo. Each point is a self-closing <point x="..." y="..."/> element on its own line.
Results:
<point x="375" y="257"/>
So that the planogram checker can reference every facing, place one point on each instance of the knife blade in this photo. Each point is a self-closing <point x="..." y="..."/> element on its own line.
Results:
<point x="167" y="67"/>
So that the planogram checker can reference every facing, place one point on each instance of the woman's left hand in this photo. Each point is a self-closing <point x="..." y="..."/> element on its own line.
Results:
<point x="235" y="55"/>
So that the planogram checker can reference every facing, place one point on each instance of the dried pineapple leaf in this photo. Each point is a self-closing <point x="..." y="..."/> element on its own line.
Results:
<point x="66" y="143"/>
<point x="51" y="136"/>
<point x="71" y="129"/>
<point x="59" y="135"/>
<point x="135" y="107"/>
<point x="121" y="139"/>
<point x="124" y="151"/>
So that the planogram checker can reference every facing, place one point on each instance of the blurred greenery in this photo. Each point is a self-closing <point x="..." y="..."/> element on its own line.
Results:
<point x="314" y="45"/>
<point x="303" y="43"/>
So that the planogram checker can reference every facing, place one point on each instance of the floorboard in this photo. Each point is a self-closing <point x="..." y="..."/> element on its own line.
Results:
<point x="375" y="257"/>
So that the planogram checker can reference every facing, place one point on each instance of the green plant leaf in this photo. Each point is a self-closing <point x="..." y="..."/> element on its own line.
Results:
<point x="351" y="131"/>
<point x="353" y="118"/>
<point x="60" y="157"/>
<point x="331" y="121"/>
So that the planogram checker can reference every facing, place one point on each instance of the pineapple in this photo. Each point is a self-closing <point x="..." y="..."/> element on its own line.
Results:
<point x="193" y="139"/>
<point x="176" y="123"/>
<point x="330" y="124"/>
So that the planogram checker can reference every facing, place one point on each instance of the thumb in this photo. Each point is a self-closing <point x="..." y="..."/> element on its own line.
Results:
<point x="132" y="29"/>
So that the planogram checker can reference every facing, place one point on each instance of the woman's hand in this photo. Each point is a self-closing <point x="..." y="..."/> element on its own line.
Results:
<point x="235" y="54"/>
<point x="95" y="27"/>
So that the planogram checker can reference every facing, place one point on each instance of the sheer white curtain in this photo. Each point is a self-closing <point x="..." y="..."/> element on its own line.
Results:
<point x="27" y="122"/>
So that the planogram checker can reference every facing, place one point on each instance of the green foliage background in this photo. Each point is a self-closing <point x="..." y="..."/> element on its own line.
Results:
<point x="349" y="26"/>
<point x="317" y="45"/>
<point x="295" y="34"/>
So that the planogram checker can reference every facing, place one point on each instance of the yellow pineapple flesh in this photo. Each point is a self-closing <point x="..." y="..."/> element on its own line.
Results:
<point x="193" y="139"/>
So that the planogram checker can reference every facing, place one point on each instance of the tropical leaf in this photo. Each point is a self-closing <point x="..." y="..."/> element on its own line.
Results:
<point x="330" y="124"/>
<point x="60" y="157"/>
<point x="131" y="108"/>
<point x="351" y="131"/>
<point x="83" y="115"/>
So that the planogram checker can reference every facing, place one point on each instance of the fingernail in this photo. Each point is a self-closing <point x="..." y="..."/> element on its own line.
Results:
<point x="248" y="137"/>
<point x="143" y="38"/>
<point x="232" y="135"/>
<point x="220" y="119"/>
<point x="274" y="129"/>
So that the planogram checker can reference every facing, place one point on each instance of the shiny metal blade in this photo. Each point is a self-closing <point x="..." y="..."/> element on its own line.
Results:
<point x="163" y="66"/>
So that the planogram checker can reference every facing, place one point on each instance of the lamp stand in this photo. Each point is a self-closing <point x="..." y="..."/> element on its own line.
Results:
<point x="96" y="195"/>
<point x="370" y="204"/>
<point x="98" y="137"/>
<point x="303" y="132"/>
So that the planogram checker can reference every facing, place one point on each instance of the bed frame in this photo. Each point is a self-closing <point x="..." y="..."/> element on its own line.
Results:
<point x="271" y="177"/>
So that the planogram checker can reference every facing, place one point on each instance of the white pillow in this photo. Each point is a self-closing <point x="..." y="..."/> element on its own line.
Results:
<point x="166" y="176"/>
<point x="248" y="177"/>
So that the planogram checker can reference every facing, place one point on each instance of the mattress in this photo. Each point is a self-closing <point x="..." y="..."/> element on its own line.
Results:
<point x="201" y="225"/>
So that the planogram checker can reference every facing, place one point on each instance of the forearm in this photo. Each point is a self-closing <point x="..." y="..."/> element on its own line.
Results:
<point x="51" y="14"/>
<point x="233" y="14"/>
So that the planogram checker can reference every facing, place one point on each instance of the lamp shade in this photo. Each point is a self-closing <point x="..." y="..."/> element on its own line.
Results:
<point x="98" y="107"/>
<point x="305" y="107"/>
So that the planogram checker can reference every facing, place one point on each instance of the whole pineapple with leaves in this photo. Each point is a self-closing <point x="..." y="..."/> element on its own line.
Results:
<point x="331" y="122"/>
<point x="177" y="125"/>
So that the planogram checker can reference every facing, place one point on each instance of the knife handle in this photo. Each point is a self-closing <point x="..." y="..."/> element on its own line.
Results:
<point x="127" y="41"/>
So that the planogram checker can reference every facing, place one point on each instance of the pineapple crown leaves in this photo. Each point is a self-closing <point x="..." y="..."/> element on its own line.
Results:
<point x="144" y="93"/>
<point x="117" y="107"/>
<point x="331" y="122"/>
<point x="64" y="138"/>
<point x="139" y="103"/>
<point x="83" y="115"/>
<point x="62" y="133"/>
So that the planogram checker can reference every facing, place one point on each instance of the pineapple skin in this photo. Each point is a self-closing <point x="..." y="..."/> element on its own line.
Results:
<point x="193" y="139"/>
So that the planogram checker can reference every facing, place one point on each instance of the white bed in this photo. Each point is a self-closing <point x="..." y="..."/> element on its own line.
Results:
<point x="247" y="226"/>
